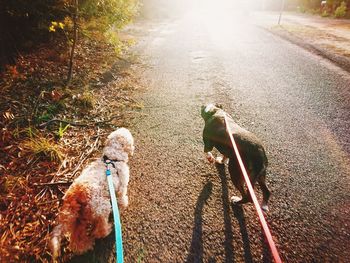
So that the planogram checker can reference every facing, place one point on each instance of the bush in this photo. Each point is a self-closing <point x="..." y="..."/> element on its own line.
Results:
<point x="310" y="4"/>
<point x="340" y="11"/>
<point x="325" y="13"/>
<point x="109" y="12"/>
<point x="25" y="23"/>
<point x="301" y="9"/>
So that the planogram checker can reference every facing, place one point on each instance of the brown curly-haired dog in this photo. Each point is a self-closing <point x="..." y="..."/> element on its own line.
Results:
<point x="86" y="207"/>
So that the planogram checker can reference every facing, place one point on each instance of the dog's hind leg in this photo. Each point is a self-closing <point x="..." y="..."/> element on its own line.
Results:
<point x="102" y="227"/>
<point x="238" y="181"/>
<point x="265" y="190"/>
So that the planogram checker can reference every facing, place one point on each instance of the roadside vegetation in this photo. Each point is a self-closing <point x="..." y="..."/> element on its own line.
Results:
<point x="327" y="8"/>
<point x="61" y="62"/>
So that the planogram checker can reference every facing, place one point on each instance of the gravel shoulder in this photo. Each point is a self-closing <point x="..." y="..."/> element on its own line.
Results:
<point x="326" y="37"/>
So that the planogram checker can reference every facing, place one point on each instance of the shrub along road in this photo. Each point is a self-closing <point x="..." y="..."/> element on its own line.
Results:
<point x="295" y="101"/>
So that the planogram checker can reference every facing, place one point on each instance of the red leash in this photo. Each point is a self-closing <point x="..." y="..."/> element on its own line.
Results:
<point x="266" y="229"/>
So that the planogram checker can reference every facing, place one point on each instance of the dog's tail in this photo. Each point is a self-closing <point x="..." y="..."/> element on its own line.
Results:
<point x="73" y="219"/>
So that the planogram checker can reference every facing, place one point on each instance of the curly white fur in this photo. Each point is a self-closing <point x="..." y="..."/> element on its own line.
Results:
<point x="86" y="204"/>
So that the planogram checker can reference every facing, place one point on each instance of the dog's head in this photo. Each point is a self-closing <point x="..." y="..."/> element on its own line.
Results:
<point x="209" y="110"/>
<point x="119" y="145"/>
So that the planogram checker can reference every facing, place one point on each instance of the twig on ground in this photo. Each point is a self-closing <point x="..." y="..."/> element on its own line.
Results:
<point x="85" y="156"/>
<point x="157" y="106"/>
<point x="63" y="121"/>
<point x="123" y="59"/>
<point x="53" y="183"/>
<point x="109" y="120"/>
<point x="129" y="61"/>
<point x="72" y="123"/>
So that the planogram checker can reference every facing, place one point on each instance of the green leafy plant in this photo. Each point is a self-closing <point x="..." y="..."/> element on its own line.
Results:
<point x="341" y="10"/>
<point x="107" y="14"/>
<point x="61" y="130"/>
<point x="48" y="111"/>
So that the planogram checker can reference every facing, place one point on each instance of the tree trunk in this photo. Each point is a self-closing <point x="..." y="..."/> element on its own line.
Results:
<point x="75" y="36"/>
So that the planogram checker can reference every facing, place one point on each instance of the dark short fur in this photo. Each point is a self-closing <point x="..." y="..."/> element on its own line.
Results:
<point x="249" y="146"/>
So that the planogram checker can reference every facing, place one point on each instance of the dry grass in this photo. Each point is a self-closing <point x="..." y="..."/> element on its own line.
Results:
<point x="41" y="147"/>
<point x="38" y="164"/>
<point x="85" y="100"/>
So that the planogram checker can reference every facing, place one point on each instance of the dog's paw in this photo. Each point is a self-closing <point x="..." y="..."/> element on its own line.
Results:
<point x="210" y="157"/>
<point x="124" y="201"/>
<point x="221" y="160"/>
<point x="236" y="199"/>
<point x="265" y="207"/>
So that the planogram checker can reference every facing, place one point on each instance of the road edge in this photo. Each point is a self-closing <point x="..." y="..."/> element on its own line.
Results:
<point x="338" y="60"/>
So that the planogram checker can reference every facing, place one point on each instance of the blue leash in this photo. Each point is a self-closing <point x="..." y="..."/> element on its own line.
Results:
<point x="117" y="224"/>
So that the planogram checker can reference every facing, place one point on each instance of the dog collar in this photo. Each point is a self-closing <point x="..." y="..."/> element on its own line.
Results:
<point x="107" y="161"/>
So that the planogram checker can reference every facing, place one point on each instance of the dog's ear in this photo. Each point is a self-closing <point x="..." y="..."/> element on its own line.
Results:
<point x="202" y="109"/>
<point x="219" y="105"/>
<point x="208" y="110"/>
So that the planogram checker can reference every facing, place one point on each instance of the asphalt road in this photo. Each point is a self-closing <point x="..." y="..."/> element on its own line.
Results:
<point x="296" y="102"/>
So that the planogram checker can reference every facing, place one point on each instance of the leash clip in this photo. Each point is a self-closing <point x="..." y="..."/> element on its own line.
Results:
<point x="108" y="172"/>
<point x="107" y="163"/>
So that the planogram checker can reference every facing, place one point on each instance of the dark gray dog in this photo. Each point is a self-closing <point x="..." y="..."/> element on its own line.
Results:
<point x="249" y="147"/>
